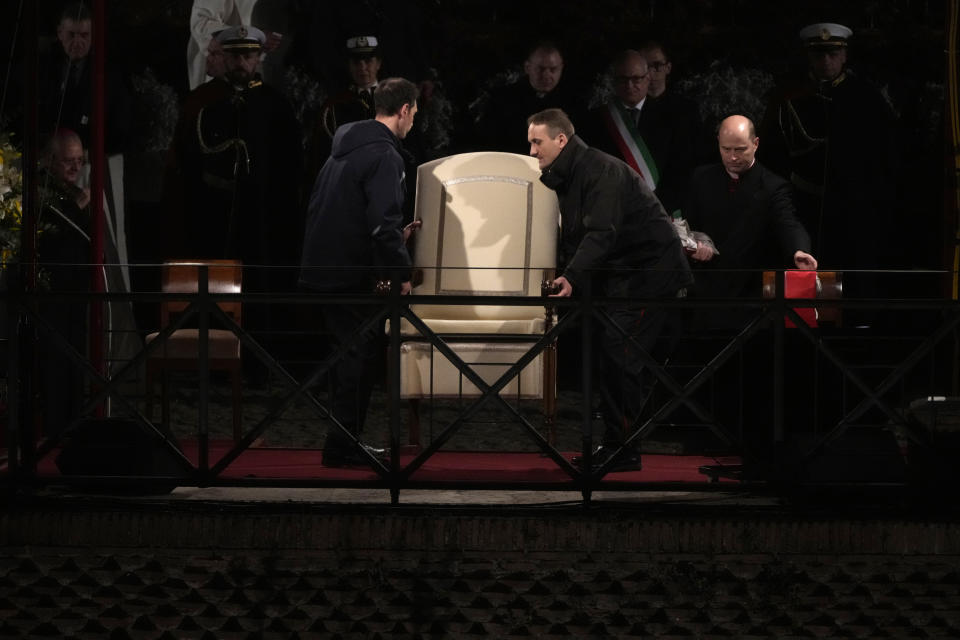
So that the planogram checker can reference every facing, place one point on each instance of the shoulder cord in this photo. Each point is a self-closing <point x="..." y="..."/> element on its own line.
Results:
<point x="795" y="117"/>
<point x="239" y="145"/>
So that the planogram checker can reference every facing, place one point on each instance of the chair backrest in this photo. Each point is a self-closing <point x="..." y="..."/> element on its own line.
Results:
<point x="489" y="228"/>
<point x="183" y="276"/>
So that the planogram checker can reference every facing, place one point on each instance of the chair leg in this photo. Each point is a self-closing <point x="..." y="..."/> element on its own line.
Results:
<point x="237" y="379"/>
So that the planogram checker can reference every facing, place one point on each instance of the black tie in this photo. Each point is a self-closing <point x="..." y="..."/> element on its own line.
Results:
<point x="634" y="115"/>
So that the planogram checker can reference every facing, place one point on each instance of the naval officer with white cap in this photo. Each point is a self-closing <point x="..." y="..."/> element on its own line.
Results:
<point x="826" y="45"/>
<point x="831" y="133"/>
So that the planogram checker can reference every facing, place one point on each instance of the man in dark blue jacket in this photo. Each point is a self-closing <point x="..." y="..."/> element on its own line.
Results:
<point x="617" y="238"/>
<point x="354" y="237"/>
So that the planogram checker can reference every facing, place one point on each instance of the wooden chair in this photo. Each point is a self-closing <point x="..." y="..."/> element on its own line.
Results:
<point x="181" y="350"/>
<point x="489" y="228"/>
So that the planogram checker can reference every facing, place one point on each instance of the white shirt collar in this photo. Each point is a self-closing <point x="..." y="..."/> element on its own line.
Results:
<point x="638" y="106"/>
<point x="737" y="176"/>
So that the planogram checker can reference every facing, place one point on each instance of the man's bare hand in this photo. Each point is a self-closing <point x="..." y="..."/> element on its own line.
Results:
<point x="564" y="288"/>
<point x="83" y="198"/>
<point x="804" y="261"/>
<point x="703" y="253"/>
<point x="410" y="228"/>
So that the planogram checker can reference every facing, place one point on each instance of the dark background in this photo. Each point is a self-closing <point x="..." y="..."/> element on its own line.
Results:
<point x="898" y="44"/>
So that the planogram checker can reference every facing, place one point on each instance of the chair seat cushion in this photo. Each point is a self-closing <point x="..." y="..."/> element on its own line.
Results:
<point x="531" y="326"/>
<point x="185" y="344"/>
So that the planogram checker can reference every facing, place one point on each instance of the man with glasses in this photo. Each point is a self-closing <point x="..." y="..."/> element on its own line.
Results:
<point x="681" y="112"/>
<point x="63" y="248"/>
<point x="65" y="88"/>
<point x="659" y="67"/>
<point x="632" y="127"/>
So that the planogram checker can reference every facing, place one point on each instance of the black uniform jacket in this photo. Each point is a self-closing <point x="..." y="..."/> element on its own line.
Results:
<point x="612" y="221"/>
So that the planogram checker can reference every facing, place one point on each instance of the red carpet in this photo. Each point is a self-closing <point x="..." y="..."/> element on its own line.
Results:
<point x="450" y="466"/>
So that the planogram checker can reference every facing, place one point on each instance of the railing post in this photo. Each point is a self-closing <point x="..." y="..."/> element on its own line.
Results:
<point x="97" y="349"/>
<point x="586" y="403"/>
<point x="203" y="369"/>
<point x="778" y="362"/>
<point x="15" y="399"/>
<point x="393" y="386"/>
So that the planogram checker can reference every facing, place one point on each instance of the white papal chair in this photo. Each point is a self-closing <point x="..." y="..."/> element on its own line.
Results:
<point x="489" y="228"/>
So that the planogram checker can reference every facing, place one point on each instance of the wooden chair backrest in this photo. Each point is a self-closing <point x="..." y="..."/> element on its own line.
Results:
<point x="183" y="276"/>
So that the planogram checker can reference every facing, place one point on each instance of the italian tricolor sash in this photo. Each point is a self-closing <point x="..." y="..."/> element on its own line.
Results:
<point x="632" y="147"/>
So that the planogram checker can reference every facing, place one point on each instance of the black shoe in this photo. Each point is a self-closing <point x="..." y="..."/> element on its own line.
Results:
<point x="600" y="454"/>
<point x="353" y="457"/>
<point x="627" y="460"/>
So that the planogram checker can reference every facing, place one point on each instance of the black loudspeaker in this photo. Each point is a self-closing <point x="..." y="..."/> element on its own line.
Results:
<point x="105" y="447"/>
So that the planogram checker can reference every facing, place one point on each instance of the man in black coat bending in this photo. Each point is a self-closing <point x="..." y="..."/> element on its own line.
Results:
<point x="354" y="236"/>
<point x="617" y="239"/>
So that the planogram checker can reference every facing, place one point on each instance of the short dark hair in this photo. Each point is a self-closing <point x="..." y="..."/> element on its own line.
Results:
<point x="557" y="122"/>
<point x="544" y="45"/>
<point x="391" y="94"/>
<point x="652" y="44"/>
<point x="76" y="11"/>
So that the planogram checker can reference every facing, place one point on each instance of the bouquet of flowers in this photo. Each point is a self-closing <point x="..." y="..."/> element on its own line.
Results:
<point x="11" y="191"/>
<point x="11" y="206"/>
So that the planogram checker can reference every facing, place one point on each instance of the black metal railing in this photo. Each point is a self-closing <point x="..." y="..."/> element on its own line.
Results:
<point x="831" y="406"/>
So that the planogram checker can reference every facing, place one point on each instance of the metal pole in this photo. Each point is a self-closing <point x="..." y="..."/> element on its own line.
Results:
<point x="778" y="362"/>
<point x="393" y="386"/>
<point x="23" y="375"/>
<point x="586" y="376"/>
<point x="952" y="168"/>
<point x="97" y="168"/>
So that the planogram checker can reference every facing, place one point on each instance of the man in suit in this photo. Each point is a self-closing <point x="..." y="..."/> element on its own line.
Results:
<point x="682" y="112"/>
<point x="749" y="213"/>
<point x="542" y="86"/>
<point x="65" y="89"/>
<point x="649" y="137"/>
<point x="62" y="249"/>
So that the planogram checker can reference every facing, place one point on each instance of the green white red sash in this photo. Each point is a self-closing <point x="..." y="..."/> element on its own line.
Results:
<point x="632" y="147"/>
